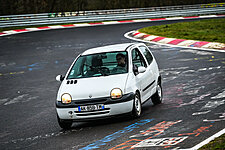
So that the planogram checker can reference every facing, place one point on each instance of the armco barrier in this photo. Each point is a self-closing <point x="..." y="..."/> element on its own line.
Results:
<point x="110" y="15"/>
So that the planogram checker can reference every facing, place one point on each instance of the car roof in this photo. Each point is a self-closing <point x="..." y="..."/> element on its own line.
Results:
<point x="108" y="48"/>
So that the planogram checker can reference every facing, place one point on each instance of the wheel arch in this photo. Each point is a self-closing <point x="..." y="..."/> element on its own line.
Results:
<point x="159" y="80"/>
<point x="139" y="93"/>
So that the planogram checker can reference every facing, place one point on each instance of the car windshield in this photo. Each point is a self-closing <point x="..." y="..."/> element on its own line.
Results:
<point x="101" y="64"/>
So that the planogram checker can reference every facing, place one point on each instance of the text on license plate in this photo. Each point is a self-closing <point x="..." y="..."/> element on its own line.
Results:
<point x="91" y="107"/>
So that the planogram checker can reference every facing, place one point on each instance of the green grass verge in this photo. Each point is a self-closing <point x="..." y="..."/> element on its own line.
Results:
<point x="212" y="30"/>
<point x="217" y="144"/>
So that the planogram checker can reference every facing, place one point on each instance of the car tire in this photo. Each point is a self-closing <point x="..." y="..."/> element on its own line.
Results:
<point x="136" y="113"/>
<point x="64" y="124"/>
<point x="157" y="97"/>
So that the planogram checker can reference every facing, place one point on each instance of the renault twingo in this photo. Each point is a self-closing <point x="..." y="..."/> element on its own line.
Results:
<point x="108" y="81"/>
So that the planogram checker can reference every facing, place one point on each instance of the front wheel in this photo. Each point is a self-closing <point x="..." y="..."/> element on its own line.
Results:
<point x="64" y="124"/>
<point x="157" y="97"/>
<point x="136" y="106"/>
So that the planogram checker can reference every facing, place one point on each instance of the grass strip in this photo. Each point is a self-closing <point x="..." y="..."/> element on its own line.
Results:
<point x="216" y="144"/>
<point x="211" y="30"/>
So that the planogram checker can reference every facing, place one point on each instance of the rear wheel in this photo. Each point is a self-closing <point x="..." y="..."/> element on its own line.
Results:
<point x="136" y="106"/>
<point x="64" y="124"/>
<point x="157" y="97"/>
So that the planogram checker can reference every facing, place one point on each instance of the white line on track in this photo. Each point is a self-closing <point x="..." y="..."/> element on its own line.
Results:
<point x="206" y="141"/>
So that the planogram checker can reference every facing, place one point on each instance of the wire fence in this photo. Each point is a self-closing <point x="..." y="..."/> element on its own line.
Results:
<point x="110" y="15"/>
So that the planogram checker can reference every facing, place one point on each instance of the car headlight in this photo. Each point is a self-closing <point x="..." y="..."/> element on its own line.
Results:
<point x="66" y="98"/>
<point x="116" y="93"/>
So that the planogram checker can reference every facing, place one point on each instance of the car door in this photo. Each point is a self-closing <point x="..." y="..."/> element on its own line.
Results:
<point x="142" y="79"/>
<point x="151" y="70"/>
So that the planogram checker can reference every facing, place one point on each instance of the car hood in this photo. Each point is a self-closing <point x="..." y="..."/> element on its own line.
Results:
<point x="92" y="87"/>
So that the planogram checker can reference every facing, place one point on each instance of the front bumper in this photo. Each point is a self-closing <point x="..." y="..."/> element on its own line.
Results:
<point x="111" y="108"/>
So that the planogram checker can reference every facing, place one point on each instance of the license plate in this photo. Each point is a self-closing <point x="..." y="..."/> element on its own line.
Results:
<point x="91" y="107"/>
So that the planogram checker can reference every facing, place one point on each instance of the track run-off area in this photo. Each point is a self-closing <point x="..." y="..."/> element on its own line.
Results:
<point x="193" y="88"/>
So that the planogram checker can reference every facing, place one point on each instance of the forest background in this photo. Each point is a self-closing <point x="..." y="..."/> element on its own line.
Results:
<point x="13" y="7"/>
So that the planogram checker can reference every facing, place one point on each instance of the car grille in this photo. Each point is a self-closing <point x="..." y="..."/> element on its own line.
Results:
<point x="91" y="101"/>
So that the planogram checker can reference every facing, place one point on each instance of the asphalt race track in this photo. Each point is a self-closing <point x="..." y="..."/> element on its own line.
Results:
<point x="193" y="88"/>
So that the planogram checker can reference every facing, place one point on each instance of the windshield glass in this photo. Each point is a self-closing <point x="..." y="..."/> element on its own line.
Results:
<point x="101" y="64"/>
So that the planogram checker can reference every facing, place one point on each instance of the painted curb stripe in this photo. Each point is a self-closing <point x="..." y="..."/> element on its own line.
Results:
<point x="42" y="28"/>
<point x="215" y="44"/>
<point x="33" y="29"/>
<point x="158" y="39"/>
<point x="110" y="22"/>
<point x="145" y="36"/>
<point x="184" y="44"/>
<point x="69" y="25"/>
<point x="136" y="33"/>
<point x="142" y="20"/>
<point x="21" y="30"/>
<point x="176" y="41"/>
<point x="208" y="16"/>
<point x="199" y="44"/>
<point x="175" y="18"/>
<point x="82" y="25"/>
<point x="151" y="37"/>
<point x="140" y="35"/>
<point x="166" y="40"/>
<point x="56" y="27"/>
<point x="10" y="32"/>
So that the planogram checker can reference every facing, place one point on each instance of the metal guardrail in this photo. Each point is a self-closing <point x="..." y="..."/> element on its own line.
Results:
<point x="110" y="15"/>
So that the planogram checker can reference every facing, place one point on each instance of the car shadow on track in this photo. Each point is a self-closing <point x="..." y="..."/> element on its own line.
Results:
<point x="101" y="122"/>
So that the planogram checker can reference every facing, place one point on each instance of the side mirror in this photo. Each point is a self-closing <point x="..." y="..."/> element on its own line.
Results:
<point x="59" y="78"/>
<point x="141" y="69"/>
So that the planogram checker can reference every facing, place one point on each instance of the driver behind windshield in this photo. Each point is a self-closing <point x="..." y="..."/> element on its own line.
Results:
<point x="121" y="64"/>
